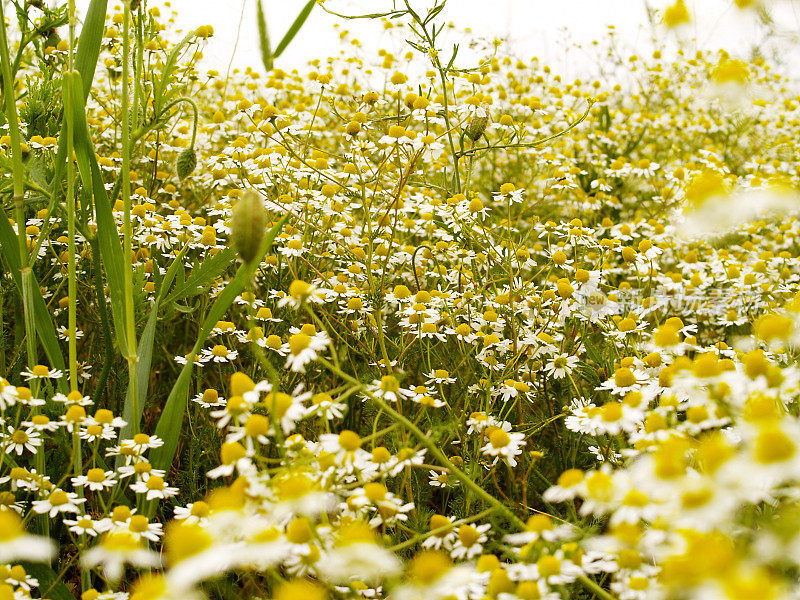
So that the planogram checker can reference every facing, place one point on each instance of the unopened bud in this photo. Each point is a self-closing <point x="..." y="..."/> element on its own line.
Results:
<point x="248" y="225"/>
<point x="187" y="161"/>
<point x="477" y="125"/>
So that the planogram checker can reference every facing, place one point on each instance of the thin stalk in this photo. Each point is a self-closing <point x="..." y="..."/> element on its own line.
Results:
<point x="77" y="458"/>
<point x="592" y="586"/>
<point x="18" y="174"/>
<point x="100" y="385"/>
<point x="70" y="201"/>
<point x="77" y="461"/>
<point x="2" y="332"/>
<point x="195" y="114"/>
<point x="130" y="327"/>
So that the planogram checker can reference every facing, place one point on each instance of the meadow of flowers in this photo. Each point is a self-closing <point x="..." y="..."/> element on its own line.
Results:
<point x="394" y="326"/>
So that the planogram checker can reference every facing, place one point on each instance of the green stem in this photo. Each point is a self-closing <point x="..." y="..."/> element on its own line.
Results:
<point x="195" y="114"/>
<point x="77" y="458"/>
<point x="431" y="446"/>
<point x="18" y="173"/>
<point x="108" y="341"/>
<point x="590" y="585"/>
<point x="130" y="326"/>
<point x="70" y="201"/>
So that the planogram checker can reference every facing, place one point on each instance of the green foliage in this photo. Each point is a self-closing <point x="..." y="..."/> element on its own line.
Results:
<point x="456" y="322"/>
<point x="43" y="109"/>
<point x="268" y="55"/>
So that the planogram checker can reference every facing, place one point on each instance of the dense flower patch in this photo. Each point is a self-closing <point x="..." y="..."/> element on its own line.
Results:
<point x="508" y="336"/>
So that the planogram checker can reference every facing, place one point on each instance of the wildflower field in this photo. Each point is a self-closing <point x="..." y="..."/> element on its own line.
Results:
<point x="405" y="325"/>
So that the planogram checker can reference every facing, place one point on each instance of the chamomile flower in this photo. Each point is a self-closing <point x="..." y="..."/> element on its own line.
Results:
<point x="41" y="372"/>
<point x="21" y="440"/>
<point x="95" y="479"/>
<point x="470" y="541"/>
<point x="561" y="365"/>
<point x="154" y="487"/>
<point x="388" y="388"/>
<point x="115" y="550"/>
<point x="219" y="354"/>
<point x="504" y="445"/>
<point x="300" y="352"/>
<point x="86" y="526"/>
<point x="58" y="501"/>
<point x="17" y="545"/>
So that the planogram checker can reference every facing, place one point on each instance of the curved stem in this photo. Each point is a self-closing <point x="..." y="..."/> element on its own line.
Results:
<point x="194" y="110"/>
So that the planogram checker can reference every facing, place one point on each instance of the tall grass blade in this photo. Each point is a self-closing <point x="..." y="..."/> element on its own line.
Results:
<point x="50" y="582"/>
<point x="89" y="43"/>
<point x="86" y="56"/>
<point x="145" y="351"/>
<point x="298" y="23"/>
<point x="171" y="421"/>
<point x="263" y="37"/>
<point x="160" y="86"/>
<point x="45" y="330"/>
<point x="202" y="276"/>
<point x="107" y="232"/>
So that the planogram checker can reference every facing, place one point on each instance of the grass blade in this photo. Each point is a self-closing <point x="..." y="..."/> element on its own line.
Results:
<point x="45" y="330"/>
<point x="171" y="421"/>
<point x="107" y="232"/>
<point x="145" y="352"/>
<point x="202" y="276"/>
<point x="50" y="583"/>
<point x="263" y="37"/>
<point x="298" y="23"/>
<point x="89" y="43"/>
<point x="160" y="86"/>
<point x="86" y="56"/>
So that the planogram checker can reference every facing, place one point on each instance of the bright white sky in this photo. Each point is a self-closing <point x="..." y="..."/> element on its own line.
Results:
<point x="534" y="27"/>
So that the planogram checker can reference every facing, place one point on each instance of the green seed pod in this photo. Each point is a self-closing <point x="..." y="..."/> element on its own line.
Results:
<point x="248" y="225"/>
<point x="187" y="161"/>
<point x="477" y="125"/>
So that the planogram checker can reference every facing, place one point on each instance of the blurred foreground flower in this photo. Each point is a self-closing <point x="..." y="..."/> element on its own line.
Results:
<point x="712" y="209"/>
<point x="15" y="544"/>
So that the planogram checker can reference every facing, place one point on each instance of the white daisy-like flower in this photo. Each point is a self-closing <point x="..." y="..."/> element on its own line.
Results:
<point x="95" y="479"/>
<point x="194" y="512"/>
<point x="58" y="501"/>
<point x="560" y="365"/>
<point x="154" y="487"/>
<point x="504" y="445"/>
<point x="18" y="545"/>
<point x="325" y="406"/>
<point x="115" y="550"/>
<point x="300" y="352"/>
<point x="219" y="354"/>
<point x="388" y="388"/>
<point x="19" y="440"/>
<point x="437" y="377"/>
<point x="41" y="372"/>
<point x="86" y="526"/>
<point x="471" y="539"/>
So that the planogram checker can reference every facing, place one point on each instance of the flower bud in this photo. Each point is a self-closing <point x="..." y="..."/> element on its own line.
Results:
<point x="477" y="125"/>
<point x="248" y="224"/>
<point x="187" y="161"/>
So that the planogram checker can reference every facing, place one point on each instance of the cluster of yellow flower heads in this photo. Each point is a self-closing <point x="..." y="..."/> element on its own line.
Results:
<point x="518" y="337"/>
